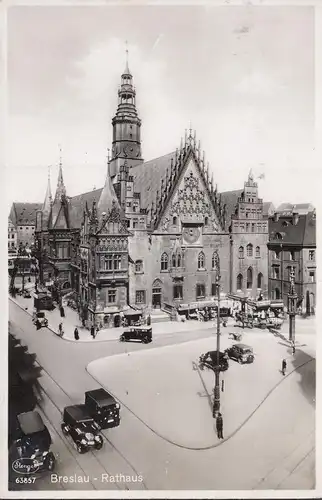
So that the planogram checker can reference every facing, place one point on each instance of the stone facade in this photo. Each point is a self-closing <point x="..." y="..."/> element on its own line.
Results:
<point x="249" y="229"/>
<point x="292" y="245"/>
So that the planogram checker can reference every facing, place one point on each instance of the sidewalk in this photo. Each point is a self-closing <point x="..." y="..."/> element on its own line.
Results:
<point x="71" y="320"/>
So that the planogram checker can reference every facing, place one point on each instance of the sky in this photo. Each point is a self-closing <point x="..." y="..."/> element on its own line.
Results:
<point x="242" y="76"/>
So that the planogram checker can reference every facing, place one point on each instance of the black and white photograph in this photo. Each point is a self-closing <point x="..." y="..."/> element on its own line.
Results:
<point x="161" y="195"/>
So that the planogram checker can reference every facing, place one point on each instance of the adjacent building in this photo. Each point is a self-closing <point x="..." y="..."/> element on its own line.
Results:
<point x="23" y="219"/>
<point x="12" y="237"/>
<point x="292" y="245"/>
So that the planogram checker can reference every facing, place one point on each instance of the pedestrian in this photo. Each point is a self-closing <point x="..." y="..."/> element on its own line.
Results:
<point x="60" y="328"/>
<point x="219" y="426"/>
<point x="293" y="348"/>
<point x="93" y="331"/>
<point x="284" y="366"/>
<point x="97" y="330"/>
<point x="76" y="335"/>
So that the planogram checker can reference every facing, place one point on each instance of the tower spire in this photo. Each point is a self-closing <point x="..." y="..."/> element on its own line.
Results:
<point x="61" y="190"/>
<point x="126" y="71"/>
<point x="48" y="197"/>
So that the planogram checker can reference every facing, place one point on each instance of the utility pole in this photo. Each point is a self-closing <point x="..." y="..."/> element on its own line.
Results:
<point x="291" y="306"/>
<point x="216" y="406"/>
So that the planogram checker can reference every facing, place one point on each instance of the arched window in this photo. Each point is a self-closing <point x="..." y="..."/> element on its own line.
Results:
<point x="139" y="266"/>
<point x="179" y="259"/>
<point x="164" y="262"/>
<point x="259" y="280"/>
<point x="206" y="221"/>
<point x="174" y="260"/>
<point x="249" y="278"/>
<point x="241" y="252"/>
<point x="201" y="260"/>
<point x="174" y="220"/>
<point x="249" y="250"/>
<point x="239" y="282"/>
<point x="277" y="293"/>
<point x="258" y="252"/>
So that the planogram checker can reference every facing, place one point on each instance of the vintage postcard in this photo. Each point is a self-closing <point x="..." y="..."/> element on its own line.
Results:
<point x="162" y="250"/>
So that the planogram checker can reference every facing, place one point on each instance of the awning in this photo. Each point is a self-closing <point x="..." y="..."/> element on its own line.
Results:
<point x="197" y="305"/>
<point x="133" y="313"/>
<point x="278" y="305"/>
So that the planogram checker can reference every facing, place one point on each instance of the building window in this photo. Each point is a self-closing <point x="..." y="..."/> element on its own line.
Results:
<point x="249" y="278"/>
<point x="311" y="254"/>
<point x="63" y="250"/>
<point x="177" y="292"/>
<point x="277" y="294"/>
<point x="247" y="227"/>
<point x="200" y="291"/>
<point x="135" y="222"/>
<point x="164" y="262"/>
<point x="277" y="254"/>
<point x="128" y="222"/>
<point x="201" y="260"/>
<point x="249" y="250"/>
<point x="213" y="288"/>
<point x="140" y="297"/>
<point x="253" y="228"/>
<point x="111" y="296"/>
<point x="206" y="221"/>
<point x="312" y="276"/>
<point x="108" y="263"/>
<point x="259" y="280"/>
<point x="276" y="272"/>
<point x="139" y="266"/>
<point x="117" y="261"/>
<point x="239" y="282"/>
<point x="258" y="252"/>
<point x="292" y="255"/>
<point x="241" y="252"/>
<point x="174" y="220"/>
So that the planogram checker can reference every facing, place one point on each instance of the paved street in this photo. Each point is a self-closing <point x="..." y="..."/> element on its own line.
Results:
<point x="275" y="432"/>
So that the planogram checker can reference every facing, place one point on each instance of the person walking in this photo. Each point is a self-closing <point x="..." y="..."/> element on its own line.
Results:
<point x="219" y="426"/>
<point x="293" y="347"/>
<point x="76" y="334"/>
<point x="60" y="328"/>
<point x="93" y="331"/>
<point x="97" y="330"/>
<point x="284" y="366"/>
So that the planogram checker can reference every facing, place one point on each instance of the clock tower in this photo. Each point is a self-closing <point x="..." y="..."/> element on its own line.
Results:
<point x="126" y="143"/>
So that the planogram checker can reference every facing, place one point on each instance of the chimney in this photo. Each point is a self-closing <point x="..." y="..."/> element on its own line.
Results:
<point x="295" y="219"/>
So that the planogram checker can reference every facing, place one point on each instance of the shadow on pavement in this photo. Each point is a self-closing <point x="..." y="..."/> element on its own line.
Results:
<point x="307" y="373"/>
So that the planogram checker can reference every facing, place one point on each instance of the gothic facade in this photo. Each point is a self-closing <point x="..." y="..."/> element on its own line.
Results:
<point x="153" y="236"/>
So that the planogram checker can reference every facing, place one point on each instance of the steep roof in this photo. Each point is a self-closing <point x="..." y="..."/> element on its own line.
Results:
<point x="302" y="234"/>
<point x="24" y="213"/>
<point x="309" y="238"/>
<point x="77" y="206"/>
<point x="147" y="177"/>
<point x="301" y="208"/>
<point x="107" y="198"/>
<point x="268" y="208"/>
<point x="230" y="199"/>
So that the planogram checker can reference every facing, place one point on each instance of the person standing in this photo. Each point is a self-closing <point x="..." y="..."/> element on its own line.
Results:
<point x="293" y="347"/>
<point x="76" y="334"/>
<point x="284" y="366"/>
<point x="219" y="426"/>
<point x="60" y="328"/>
<point x="93" y="331"/>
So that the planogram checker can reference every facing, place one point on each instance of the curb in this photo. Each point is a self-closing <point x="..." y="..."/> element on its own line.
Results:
<point x="220" y="442"/>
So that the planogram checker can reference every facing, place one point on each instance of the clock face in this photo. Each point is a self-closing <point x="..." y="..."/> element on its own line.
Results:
<point x="191" y="234"/>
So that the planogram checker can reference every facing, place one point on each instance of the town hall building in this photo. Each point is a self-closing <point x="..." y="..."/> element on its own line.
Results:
<point x="152" y="237"/>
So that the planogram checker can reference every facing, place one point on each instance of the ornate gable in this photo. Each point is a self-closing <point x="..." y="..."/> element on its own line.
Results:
<point x="113" y="222"/>
<point x="62" y="219"/>
<point x="190" y="202"/>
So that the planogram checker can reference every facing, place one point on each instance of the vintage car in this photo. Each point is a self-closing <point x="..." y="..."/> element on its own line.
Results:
<point x="80" y="426"/>
<point x="26" y="294"/>
<point x="103" y="408"/>
<point x="33" y="444"/>
<point x="141" y="333"/>
<point x="241" y="352"/>
<point x="39" y="319"/>
<point x="209" y="360"/>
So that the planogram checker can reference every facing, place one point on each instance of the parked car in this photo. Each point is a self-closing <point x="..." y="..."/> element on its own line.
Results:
<point x="33" y="444"/>
<point x="103" y="408"/>
<point x="141" y="333"/>
<point x="209" y="360"/>
<point x="80" y="426"/>
<point x="39" y="319"/>
<point x="26" y="294"/>
<point x="241" y="352"/>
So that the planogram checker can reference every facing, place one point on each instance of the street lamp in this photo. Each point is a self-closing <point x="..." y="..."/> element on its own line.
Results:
<point x="291" y="305"/>
<point x="216" y="406"/>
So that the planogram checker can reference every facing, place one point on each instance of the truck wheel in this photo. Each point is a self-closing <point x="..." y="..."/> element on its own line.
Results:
<point x="80" y="448"/>
<point x="50" y="461"/>
<point x="99" y="445"/>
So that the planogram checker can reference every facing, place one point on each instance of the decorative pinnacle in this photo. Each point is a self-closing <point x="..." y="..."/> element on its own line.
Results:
<point x="126" y="71"/>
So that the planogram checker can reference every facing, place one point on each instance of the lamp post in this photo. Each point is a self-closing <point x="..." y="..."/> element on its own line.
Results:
<point x="291" y="306"/>
<point x="216" y="406"/>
